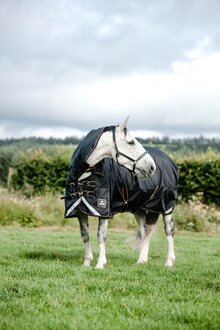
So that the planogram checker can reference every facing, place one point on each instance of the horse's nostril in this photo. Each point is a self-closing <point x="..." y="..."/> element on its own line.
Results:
<point x="152" y="169"/>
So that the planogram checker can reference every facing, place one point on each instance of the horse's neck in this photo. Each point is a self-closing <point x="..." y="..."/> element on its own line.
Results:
<point x="103" y="149"/>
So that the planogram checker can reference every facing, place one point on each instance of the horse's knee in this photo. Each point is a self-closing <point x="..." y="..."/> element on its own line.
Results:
<point x="102" y="230"/>
<point x="85" y="238"/>
<point x="169" y="225"/>
<point x="84" y="234"/>
<point x="101" y="238"/>
<point x="84" y="228"/>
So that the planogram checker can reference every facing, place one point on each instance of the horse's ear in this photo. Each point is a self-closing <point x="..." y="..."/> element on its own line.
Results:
<point x="123" y="126"/>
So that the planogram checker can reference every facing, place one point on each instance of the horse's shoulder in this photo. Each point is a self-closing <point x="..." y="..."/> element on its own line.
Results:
<point x="156" y="152"/>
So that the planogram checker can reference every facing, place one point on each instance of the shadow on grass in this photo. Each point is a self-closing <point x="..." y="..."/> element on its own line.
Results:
<point x="116" y="258"/>
<point x="75" y="256"/>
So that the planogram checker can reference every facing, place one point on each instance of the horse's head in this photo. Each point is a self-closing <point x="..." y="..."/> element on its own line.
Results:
<point x="116" y="142"/>
<point x="130" y="153"/>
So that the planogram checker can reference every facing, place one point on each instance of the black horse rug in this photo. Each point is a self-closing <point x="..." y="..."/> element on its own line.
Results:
<point x="112" y="188"/>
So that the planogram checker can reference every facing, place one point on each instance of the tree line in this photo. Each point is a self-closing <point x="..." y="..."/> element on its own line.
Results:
<point x="199" y="141"/>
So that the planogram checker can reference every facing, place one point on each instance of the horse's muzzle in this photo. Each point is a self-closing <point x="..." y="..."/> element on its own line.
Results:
<point x="146" y="173"/>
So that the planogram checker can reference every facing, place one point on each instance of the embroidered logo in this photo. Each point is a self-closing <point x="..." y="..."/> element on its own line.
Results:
<point x="101" y="203"/>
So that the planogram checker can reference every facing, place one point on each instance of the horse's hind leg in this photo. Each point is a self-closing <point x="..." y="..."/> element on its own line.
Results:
<point x="169" y="230"/>
<point x="102" y="236"/>
<point x="147" y="225"/>
<point x="84" y="229"/>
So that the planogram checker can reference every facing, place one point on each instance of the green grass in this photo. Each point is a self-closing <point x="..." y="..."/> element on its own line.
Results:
<point x="44" y="286"/>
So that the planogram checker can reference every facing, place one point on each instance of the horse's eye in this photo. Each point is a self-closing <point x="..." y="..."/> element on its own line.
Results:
<point x="125" y="131"/>
<point x="131" y="142"/>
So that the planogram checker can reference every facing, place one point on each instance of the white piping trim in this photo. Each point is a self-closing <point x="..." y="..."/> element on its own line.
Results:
<point x="169" y="211"/>
<point x="74" y="206"/>
<point x="82" y="199"/>
<point x="90" y="207"/>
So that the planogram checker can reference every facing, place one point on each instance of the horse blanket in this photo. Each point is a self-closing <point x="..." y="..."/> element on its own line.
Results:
<point x="112" y="188"/>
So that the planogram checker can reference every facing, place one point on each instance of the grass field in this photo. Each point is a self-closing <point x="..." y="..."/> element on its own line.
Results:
<point x="44" y="286"/>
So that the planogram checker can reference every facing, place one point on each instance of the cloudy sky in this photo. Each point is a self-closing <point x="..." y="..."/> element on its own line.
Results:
<point x="67" y="66"/>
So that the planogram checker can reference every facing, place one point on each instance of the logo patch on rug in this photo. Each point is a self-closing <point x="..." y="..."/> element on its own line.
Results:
<point x="101" y="203"/>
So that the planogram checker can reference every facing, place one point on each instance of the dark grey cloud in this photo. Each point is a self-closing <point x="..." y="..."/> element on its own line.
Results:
<point x="105" y="36"/>
<point x="81" y="64"/>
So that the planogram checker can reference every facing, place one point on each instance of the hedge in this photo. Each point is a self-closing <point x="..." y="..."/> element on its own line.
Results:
<point x="200" y="176"/>
<point x="37" y="173"/>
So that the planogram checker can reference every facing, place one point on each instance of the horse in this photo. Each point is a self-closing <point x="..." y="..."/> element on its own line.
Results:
<point x="111" y="172"/>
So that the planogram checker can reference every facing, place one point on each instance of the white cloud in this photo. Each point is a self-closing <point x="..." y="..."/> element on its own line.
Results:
<point x="183" y="97"/>
<point x="79" y="65"/>
<point x="58" y="132"/>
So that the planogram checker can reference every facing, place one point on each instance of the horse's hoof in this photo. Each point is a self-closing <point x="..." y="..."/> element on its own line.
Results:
<point x="86" y="263"/>
<point x="142" y="261"/>
<point x="169" y="263"/>
<point x="100" y="266"/>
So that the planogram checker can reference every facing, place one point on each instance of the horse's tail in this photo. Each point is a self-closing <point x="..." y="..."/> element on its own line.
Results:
<point x="135" y="240"/>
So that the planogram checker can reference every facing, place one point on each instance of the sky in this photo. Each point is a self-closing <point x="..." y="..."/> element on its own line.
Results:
<point x="69" y="66"/>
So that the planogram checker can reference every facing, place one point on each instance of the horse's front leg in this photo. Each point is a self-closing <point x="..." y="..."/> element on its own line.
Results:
<point x="84" y="229"/>
<point x="147" y="225"/>
<point x="169" y="230"/>
<point x="145" y="244"/>
<point x="102" y="236"/>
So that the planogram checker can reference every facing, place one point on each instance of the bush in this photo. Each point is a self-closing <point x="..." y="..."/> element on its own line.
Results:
<point x="13" y="211"/>
<point x="197" y="216"/>
<point x="5" y="163"/>
<point x="47" y="209"/>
